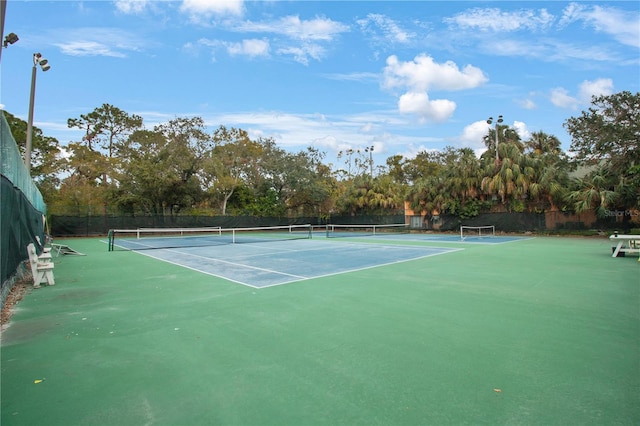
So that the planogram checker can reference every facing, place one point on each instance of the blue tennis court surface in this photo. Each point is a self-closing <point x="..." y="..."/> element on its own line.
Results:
<point x="453" y="238"/>
<point x="267" y="264"/>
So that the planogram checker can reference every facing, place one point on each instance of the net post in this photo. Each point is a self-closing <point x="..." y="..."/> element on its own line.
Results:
<point x="110" y="240"/>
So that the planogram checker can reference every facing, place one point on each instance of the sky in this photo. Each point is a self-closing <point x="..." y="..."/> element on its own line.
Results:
<point x="399" y="76"/>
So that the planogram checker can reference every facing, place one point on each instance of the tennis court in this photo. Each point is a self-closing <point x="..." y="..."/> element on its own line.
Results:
<point x="537" y="331"/>
<point x="266" y="264"/>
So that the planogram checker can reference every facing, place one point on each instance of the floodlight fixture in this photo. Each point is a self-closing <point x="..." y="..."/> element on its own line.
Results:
<point x="499" y="121"/>
<point x="10" y="38"/>
<point x="43" y="62"/>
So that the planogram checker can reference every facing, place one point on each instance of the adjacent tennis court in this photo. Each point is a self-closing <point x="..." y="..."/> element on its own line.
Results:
<point x="387" y="329"/>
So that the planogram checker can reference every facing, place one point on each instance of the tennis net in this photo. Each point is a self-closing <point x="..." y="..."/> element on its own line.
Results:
<point x="337" y="231"/>
<point x="163" y="238"/>
<point x="477" y="231"/>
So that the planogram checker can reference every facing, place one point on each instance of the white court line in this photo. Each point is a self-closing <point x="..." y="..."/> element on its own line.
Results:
<point x="329" y="246"/>
<point x="205" y="272"/>
<point x="239" y="264"/>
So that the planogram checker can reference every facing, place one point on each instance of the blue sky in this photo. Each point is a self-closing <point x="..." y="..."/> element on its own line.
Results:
<point x="401" y="76"/>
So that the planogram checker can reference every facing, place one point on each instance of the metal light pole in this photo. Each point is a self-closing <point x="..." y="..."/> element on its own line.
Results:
<point x="44" y="64"/>
<point x="500" y="120"/>
<point x="369" y="149"/>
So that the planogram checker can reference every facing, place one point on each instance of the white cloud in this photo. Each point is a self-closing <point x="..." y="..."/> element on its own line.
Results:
<point x="354" y="76"/>
<point x="419" y="76"/>
<point x="390" y="28"/>
<point x="303" y="53"/>
<point x="494" y="19"/>
<point x="317" y="29"/>
<point x="560" y="97"/>
<point x="622" y="26"/>
<point x="473" y="134"/>
<point x="99" y="42"/>
<point x="527" y="104"/>
<point x="88" y="48"/>
<point x="131" y="6"/>
<point x="601" y="86"/>
<point x="418" y="103"/>
<point x="522" y="130"/>
<point x="303" y="38"/>
<point x="423" y="74"/>
<point x="216" y="7"/>
<point x="367" y="128"/>
<point x="200" y="11"/>
<point x="251" y="48"/>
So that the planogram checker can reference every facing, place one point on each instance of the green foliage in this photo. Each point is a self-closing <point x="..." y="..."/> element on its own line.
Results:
<point x="46" y="156"/>
<point x="471" y="208"/>
<point x="608" y="135"/>
<point x="178" y="167"/>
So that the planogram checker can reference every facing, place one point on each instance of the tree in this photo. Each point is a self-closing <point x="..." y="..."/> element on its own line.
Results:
<point x="462" y="173"/>
<point x="396" y="169"/>
<point x="83" y="191"/>
<point x="145" y="176"/>
<point x="609" y="130"/>
<point x="509" y="177"/>
<point x="506" y="135"/>
<point x="594" y="192"/>
<point x="541" y="143"/>
<point x="549" y="184"/>
<point x="46" y="156"/>
<point x="106" y="126"/>
<point x="160" y="169"/>
<point x="231" y="162"/>
<point x="366" y="195"/>
<point x="425" y="163"/>
<point x="608" y="135"/>
<point x="228" y="165"/>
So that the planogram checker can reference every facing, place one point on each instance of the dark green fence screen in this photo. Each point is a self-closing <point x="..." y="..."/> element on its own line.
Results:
<point x="86" y="226"/>
<point x="22" y="209"/>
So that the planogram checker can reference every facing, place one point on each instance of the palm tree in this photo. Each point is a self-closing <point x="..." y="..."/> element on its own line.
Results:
<point x="594" y="191"/>
<point x="548" y="188"/>
<point x="463" y="175"/>
<point x="540" y="144"/>
<point x="427" y="194"/>
<point x="510" y="177"/>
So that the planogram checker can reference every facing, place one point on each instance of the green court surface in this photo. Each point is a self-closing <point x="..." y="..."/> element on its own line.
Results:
<point x="542" y="331"/>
